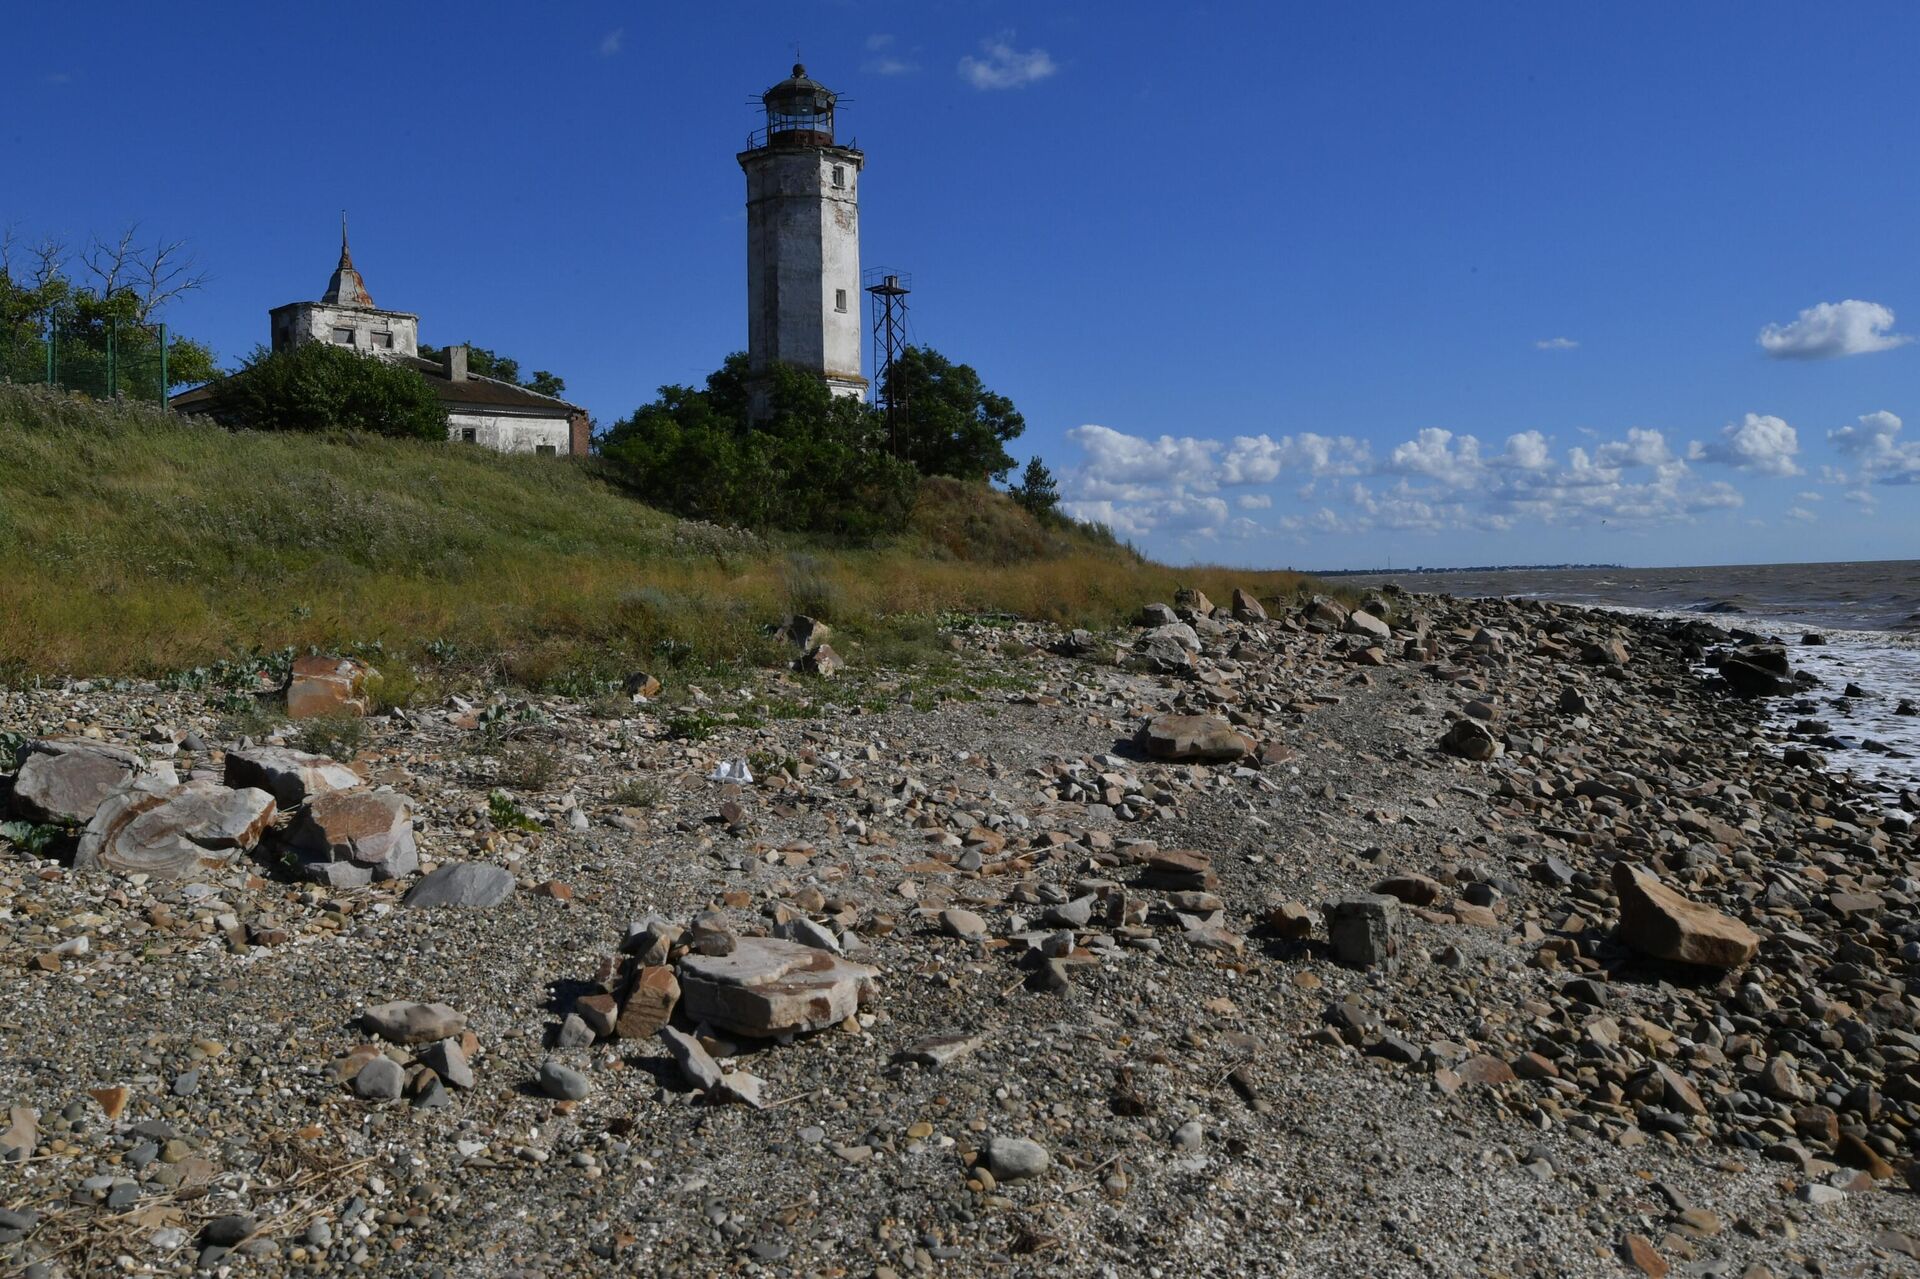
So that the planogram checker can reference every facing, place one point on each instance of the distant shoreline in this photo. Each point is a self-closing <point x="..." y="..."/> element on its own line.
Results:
<point x="1471" y="568"/>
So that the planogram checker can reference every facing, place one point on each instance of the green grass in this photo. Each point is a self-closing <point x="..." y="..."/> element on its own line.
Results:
<point x="136" y="543"/>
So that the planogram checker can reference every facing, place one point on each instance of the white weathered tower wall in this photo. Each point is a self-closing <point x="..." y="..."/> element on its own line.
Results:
<point x="803" y="262"/>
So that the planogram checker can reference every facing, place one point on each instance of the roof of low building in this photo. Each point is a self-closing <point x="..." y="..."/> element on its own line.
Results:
<point x="472" y="392"/>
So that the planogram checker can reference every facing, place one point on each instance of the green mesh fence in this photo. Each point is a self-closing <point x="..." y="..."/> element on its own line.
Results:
<point x="104" y="358"/>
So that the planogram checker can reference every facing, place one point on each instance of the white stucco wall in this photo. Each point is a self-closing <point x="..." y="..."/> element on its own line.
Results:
<point x="803" y="262"/>
<point x="298" y="323"/>
<point x="510" y="433"/>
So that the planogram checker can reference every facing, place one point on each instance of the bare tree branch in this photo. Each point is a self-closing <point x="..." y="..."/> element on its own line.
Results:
<point x="107" y="263"/>
<point x="167" y="271"/>
<point x="47" y="257"/>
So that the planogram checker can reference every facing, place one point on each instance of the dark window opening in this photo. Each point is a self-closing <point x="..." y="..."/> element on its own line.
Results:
<point x="839" y="175"/>
<point x="343" y="336"/>
<point x="840" y="299"/>
<point x="383" y="339"/>
<point x="469" y="435"/>
<point x="544" y="450"/>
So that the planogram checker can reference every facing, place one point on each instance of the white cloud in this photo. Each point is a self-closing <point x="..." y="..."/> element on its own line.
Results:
<point x="1833" y="329"/>
<point x="1556" y="344"/>
<point x="1875" y="448"/>
<point x="1759" y="442"/>
<point x="1436" y="481"/>
<point x="879" y="40"/>
<point x="1005" y="67"/>
<point x="884" y="60"/>
<point x="610" y="43"/>
<point x="1527" y="451"/>
<point x="1642" y="447"/>
<point x="1801" y="514"/>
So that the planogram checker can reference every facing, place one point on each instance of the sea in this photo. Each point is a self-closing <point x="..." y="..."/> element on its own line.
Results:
<point x="1868" y="613"/>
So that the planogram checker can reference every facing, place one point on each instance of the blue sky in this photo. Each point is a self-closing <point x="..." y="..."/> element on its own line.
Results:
<point x="1328" y="286"/>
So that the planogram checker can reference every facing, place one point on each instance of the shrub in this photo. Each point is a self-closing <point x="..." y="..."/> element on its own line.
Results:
<point x="320" y="387"/>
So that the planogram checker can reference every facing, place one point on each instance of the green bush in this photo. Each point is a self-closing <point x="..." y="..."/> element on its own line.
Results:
<point x="816" y="463"/>
<point x="320" y="387"/>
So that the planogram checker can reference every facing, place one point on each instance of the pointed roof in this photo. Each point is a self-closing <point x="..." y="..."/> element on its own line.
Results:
<point x="346" y="288"/>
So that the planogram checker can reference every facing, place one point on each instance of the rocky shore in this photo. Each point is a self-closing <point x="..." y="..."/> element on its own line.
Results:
<point x="1436" y="937"/>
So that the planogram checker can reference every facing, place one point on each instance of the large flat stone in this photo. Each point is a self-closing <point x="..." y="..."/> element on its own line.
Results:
<point x="1205" y="737"/>
<point x="173" y="832"/>
<point x="1657" y="921"/>
<point x="65" y="779"/>
<point x="461" y="884"/>
<point x="770" y="987"/>
<point x="292" y="777"/>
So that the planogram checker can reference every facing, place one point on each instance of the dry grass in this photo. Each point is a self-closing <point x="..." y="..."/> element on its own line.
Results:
<point x="132" y="543"/>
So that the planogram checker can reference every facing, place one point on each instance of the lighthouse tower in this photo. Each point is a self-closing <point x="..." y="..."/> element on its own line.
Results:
<point x="803" y="240"/>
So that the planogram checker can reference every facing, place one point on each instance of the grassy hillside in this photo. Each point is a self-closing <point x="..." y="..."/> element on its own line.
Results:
<point x="135" y="543"/>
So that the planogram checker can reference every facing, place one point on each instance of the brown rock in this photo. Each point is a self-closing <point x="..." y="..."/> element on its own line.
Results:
<point x="1484" y="1069"/>
<point x="649" y="1001"/>
<point x="324" y="686"/>
<point x="1657" y="921"/>
<point x="113" y="1101"/>
<point x="370" y="828"/>
<point x="1414" y="890"/>
<point x="1855" y="1153"/>
<point x="769" y="987"/>
<point x="1247" y="607"/>
<point x="1203" y="737"/>
<point x="1638" y="1252"/>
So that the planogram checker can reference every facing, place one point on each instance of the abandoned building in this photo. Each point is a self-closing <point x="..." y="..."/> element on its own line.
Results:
<point x="803" y="238"/>
<point x="480" y="410"/>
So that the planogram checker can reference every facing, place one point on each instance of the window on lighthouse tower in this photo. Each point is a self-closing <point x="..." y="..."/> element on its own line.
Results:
<point x="839" y="175"/>
<point x="840" y="299"/>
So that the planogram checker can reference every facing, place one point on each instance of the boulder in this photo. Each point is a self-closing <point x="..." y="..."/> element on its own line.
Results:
<point x="1178" y="632"/>
<point x="1470" y="739"/>
<point x="766" y="986"/>
<point x="1156" y="615"/>
<point x="1754" y="677"/>
<point x="292" y="777"/>
<point x="822" y="661"/>
<point x="1247" y="607"/>
<point x="327" y="686"/>
<point x="461" y="884"/>
<point x="1360" y="622"/>
<point x="404" y="1022"/>
<point x="1181" y="737"/>
<point x="173" y="832"/>
<point x="65" y="779"/>
<point x="1325" y="611"/>
<point x="1657" y="921"/>
<point x="371" y="828"/>
<point x="1364" y="929"/>
<point x="1191" y="601"/>
<point x="1414" y="890"/>
<point x="803" y="632"/>
<point x="1165" y="656"/>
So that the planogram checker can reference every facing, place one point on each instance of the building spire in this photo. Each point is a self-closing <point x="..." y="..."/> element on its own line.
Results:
<point x="346" y="288"/>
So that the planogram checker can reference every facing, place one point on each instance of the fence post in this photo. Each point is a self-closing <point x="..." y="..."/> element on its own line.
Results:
<point x="113" y="358"/>
<point x="163" y="366"/>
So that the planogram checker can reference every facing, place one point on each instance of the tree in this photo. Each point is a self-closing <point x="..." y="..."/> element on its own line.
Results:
<point x="114" y="308"/>
<point x="489" y="363"/>
<point x="951" y="423"/>
<point x="817" y="462"/>
<point x="321" y="387"/>
<point x="1036" y="490"/>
